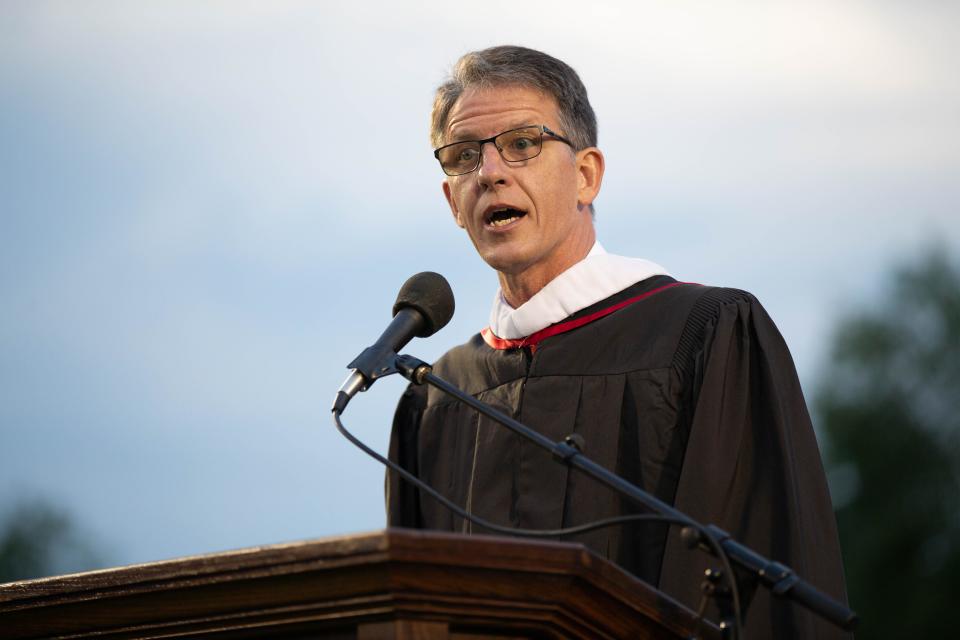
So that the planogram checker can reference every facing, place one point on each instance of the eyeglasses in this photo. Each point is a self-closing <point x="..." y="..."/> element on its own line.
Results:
<point x="515" y="145"/>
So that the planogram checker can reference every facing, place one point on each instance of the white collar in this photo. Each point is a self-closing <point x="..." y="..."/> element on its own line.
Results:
<point x="597" y="276"/>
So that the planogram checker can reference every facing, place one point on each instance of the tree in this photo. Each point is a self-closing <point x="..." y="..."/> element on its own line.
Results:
<point x="38" y="540"/>
<point x="889" y="411"/>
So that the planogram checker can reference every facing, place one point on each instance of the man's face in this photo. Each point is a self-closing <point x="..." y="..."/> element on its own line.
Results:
<point x="528" y="217"/>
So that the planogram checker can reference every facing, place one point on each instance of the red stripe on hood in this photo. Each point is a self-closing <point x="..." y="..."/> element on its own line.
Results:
<point x="562" y="327"/>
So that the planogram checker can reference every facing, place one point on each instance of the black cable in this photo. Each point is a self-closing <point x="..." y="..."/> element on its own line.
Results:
<point x="553" y="533"/>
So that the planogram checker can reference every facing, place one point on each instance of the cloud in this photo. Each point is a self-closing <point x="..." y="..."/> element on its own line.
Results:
<point x="209" y="207"/>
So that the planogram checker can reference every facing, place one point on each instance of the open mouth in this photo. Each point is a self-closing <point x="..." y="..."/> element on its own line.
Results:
<point x="503" y="217"/>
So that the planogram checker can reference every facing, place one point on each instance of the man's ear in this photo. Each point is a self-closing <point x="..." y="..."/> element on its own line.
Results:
<point x="590" y="165"/>
<point x="453" y="205"/>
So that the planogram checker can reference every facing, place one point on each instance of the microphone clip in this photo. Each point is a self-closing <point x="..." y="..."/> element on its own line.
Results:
<point x="375" y="362"/>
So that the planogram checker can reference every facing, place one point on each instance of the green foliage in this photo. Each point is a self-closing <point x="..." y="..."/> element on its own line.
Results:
<point x="39" y="540"/>
<point x="890" y="413"/>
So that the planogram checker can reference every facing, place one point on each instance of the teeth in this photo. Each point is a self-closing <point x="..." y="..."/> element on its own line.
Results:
<point x="503" y="221"/>
<point x="502" y="217"/>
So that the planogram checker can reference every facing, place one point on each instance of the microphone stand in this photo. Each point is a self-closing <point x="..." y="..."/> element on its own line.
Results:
<point x="778" y="578"/>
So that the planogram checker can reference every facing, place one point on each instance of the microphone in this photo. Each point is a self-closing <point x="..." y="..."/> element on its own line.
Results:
<point x="423" y="307"/>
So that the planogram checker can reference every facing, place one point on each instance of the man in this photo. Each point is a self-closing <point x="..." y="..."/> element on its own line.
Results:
<point x="685" y="390"/>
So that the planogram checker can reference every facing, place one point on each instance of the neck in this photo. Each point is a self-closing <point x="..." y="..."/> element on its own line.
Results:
<point x="519" y="287"/>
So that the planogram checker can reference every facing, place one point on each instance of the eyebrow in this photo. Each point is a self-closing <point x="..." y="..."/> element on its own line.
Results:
<point x="469" y="136"/>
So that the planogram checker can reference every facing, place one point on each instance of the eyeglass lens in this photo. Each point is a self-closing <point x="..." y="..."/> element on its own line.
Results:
<point x="514" y="146"/>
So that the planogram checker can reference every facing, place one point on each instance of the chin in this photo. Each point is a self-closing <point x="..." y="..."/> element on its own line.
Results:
<point x="506" y="262"/>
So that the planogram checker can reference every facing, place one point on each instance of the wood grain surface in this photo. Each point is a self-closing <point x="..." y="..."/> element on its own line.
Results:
<point x="397" y="583"/>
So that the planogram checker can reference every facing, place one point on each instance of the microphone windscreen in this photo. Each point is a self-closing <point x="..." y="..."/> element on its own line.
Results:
<point x="430" y="294"/>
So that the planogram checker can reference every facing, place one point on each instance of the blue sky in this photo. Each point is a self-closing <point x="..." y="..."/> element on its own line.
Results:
<point x="206" y="210"/>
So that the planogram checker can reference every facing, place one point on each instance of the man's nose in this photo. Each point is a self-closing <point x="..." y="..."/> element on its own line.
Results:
<point x="492" y="164"/>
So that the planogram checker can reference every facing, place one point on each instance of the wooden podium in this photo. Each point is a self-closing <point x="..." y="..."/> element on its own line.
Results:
<point x="394" y="584"/>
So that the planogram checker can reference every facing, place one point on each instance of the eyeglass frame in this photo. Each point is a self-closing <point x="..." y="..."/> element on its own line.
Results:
<point x="544" y="129"/>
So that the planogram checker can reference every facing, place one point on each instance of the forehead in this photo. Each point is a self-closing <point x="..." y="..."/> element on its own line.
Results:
<point x="483" y="112"/>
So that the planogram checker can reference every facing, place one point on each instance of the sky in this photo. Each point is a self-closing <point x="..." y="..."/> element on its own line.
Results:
<point x="207" y="208"/>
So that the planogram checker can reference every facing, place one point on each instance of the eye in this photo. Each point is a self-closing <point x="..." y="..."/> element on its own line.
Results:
<point x="523" y="142"/>
<point x="460" y="156"/>
<point x="466" y="154"/>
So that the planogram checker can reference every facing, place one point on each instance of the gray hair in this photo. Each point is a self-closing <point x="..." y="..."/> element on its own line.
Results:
<point x="512" y="65"/>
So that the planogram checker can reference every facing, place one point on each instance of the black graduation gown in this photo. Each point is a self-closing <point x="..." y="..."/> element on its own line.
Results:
<point x="690" y="393"/>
